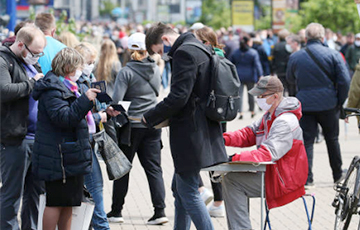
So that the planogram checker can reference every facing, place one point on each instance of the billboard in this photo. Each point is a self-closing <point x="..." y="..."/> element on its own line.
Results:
<point x="242" y="13"/>
<point x="193" y="11"/>
<point x="278" y="14"/>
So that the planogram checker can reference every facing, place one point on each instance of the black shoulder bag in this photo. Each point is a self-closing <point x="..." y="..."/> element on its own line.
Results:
<point x="342" y="112"/>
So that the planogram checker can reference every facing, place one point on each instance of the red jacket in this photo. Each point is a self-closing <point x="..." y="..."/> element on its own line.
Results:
<point x="278" y="138"/>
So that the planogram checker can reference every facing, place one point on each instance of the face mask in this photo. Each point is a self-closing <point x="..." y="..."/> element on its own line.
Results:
<point x="357" y="43"/>
<point x="262" y="104"/>
<point x="263" y="37"/>
<point x="288" y="48"/>
<point x="76" y="76"/>
<point x="30" y="60"/>
<point x="88" y="69"/>
<point x="166" y="48"/>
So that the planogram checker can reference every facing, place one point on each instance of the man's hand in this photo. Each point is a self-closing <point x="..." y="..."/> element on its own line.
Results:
<point x="103" y="116"/>
<point x="38" y="76"/>
<point x="112" y="112"/>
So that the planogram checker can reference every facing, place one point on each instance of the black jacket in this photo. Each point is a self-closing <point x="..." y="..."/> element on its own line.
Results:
<point x="62" y="146"/>
<point x="195" y="141"/>
<point x="15" y="88"/>
<point x="280" y="58"/>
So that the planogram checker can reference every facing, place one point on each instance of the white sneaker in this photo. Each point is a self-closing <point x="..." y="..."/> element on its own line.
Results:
<point x="206" y="196"/>
<point x="216" y="211"/>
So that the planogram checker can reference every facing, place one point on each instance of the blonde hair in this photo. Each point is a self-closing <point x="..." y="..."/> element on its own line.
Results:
<point x="69" y="39"/>
<point x="108" y="57"/>
<point x="138" y="55"/>
<point x="28" y="33"/>
<point x="86" y="50"/>
<point x="206" y="34"/>
<point x="45" y="21"/>
<point x="66" y="61"/>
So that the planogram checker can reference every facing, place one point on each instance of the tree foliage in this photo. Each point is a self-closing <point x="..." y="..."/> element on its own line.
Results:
<point x="216" y="13"/>
<point x="106" y="7"/>
<point x="338" y="15"/>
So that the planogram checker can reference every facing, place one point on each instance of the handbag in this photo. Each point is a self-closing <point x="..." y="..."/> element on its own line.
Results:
<point x="340" y="107"/>
<point x="117" y="164"/>
<point x="81" y="215"/>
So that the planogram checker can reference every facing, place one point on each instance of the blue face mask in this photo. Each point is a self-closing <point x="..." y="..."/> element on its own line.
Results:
<point x="166" y="48"/>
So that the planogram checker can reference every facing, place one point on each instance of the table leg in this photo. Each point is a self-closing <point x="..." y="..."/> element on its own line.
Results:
<point x="262" y="201"/>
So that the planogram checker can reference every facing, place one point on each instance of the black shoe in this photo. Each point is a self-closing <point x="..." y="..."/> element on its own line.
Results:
<point x="253" y="115"/>
<point x="309" y="185"/>
<point x="342" y="177"/>
<point x="158" y="218"/>
<point x="115" y="217"/>
<point x="240" y="117"/>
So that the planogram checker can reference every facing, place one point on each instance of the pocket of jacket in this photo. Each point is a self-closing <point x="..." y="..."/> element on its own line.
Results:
<point x="72" y="152"/>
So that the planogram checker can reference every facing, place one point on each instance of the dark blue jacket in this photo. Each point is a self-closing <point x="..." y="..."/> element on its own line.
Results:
<point x="315" y="90"/>
<point x="62" y="146"/>
<point x="247" y="64"/>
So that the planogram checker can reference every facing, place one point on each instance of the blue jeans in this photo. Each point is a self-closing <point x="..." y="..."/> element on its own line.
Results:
<point x="94" y="184"/>
<point x="165" y="75"/>
<point x="188" y="203"/>
<point x="18" y="182"/>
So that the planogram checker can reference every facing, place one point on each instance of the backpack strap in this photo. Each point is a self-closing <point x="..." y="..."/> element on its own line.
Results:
<point x="320" y="65"/>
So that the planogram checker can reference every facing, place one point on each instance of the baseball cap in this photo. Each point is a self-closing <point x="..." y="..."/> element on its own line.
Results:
<point x="197" y="26"/>
<point x="137" y="41"/>
<point x="357" y="35"/>
<point x="267" y="83"/>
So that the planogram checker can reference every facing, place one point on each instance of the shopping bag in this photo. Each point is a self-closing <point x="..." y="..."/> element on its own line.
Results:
<point x="117" y="164"/>
<point x="81" y="215"/>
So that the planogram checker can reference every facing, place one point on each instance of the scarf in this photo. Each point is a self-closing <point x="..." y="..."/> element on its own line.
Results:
<point x="75" y="89"/>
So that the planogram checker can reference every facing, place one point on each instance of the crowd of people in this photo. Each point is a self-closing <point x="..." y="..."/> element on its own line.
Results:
<point x="47" y="79"/>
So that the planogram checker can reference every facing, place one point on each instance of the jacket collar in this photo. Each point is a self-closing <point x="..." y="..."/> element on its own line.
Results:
<point x="314" y="42"/>
<point x="188" y="36"/>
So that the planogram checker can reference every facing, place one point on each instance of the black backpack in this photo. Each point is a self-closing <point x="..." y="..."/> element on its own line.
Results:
<point x="223" y="103"/>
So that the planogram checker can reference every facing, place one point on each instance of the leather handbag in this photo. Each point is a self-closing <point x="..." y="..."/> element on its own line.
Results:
<point x="117" y="164"/>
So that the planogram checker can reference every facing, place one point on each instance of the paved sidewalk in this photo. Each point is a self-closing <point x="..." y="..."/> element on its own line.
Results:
<point x="138" y="208"/>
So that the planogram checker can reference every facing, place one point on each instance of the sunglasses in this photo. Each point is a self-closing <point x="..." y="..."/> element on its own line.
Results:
<point x="265" y="95"/>
<point x="32" y="54"/>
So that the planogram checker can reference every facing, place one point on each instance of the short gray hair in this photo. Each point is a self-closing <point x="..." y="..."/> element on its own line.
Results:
<point x="67" y="61"/>
<point x="315" y="31"/>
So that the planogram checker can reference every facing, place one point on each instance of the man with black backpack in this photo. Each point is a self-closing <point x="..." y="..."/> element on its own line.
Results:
<point x="195" y="140"/>
<point x="322" y="81"/>
<point x="18" y="123"/>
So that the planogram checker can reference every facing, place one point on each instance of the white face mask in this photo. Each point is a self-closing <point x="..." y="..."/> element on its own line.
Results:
<point x="288" y="48"/>
<point x="88" y="69"/>
<point x="76" y="76"/>
<point x="357" y="43"/>
<point x="30" y="60"/>
<point x="262" y="104"/>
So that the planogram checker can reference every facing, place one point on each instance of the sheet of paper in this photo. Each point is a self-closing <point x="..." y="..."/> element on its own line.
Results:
<point x="125" y="104"/>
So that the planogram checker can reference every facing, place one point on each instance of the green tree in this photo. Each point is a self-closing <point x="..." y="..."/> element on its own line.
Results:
<point x="338" y="15"/>
<point x="264" y="22"/>
<point x="106" y="7"/>
<point x="216" y="13"/>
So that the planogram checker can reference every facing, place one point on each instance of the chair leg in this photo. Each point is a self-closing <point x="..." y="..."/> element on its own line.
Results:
<point x="267" y="219"/>
<point x="310" y="219"/>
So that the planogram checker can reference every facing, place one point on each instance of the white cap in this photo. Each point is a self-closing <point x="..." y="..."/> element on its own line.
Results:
<point x="197" y="26"/>
<point x="137" y="41"/>
<point x="357" y="35"/>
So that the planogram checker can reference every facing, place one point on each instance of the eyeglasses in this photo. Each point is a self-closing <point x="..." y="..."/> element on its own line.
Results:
<point x="265" y="95"/>
<point x="32" y="54"/>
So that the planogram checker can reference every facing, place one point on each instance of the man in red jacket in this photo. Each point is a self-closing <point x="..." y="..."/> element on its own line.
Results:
<point x="278" y="138"/>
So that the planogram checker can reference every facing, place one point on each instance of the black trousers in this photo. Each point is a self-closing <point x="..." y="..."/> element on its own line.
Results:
<point x="147" y="144"/>
<point x="329" y="122"/>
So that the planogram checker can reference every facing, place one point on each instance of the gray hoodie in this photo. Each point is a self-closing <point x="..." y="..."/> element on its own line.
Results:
<point x="138" y="82"/>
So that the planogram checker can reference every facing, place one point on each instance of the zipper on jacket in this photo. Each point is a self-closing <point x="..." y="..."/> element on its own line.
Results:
<point x="277" y="169"/>
<point x="62" y="165"/>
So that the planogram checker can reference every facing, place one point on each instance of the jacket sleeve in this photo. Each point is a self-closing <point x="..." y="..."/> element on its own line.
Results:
<point x="259" y="69"/>
<point x="243" y="137"/>
<point x="290" y="75"/>
<point x="348" y="57"/>
<point x="12" y="91"/>
<point x="342" y="78"/>
<point x="63" y="114"/>
<point x="121" y="86"/>
<point x="354" y="92"/>
<point x="183" y="80"/>
<point x="278" y="143"/>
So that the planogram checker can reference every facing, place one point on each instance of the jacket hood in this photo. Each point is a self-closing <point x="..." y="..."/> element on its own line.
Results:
<point x="49" y="82"/>
<point x="144" y="68"/>
<point x="289" y="105"/>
